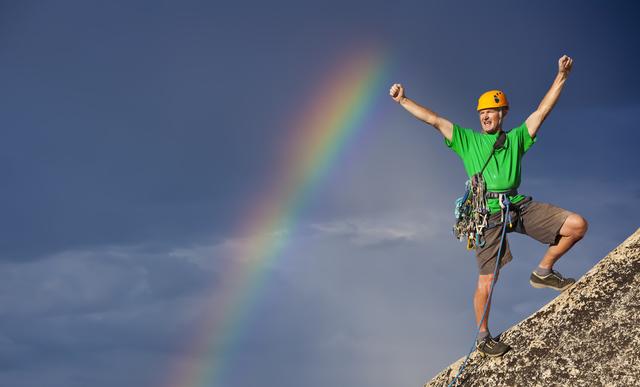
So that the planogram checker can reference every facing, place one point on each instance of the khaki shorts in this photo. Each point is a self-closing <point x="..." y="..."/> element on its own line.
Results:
<point x="541" y="221"/>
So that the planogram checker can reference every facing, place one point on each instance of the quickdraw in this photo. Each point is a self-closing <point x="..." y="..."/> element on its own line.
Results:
<point x="471" y="213"/>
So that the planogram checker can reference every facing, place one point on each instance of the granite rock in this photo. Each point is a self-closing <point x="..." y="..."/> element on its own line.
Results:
<point x="587" y="336"/>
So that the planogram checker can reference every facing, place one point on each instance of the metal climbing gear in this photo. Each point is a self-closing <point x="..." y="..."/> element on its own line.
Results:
<point x="496" y="195"/>
<point x="471" y="213"/>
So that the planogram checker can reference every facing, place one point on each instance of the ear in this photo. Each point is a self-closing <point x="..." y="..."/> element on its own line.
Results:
<point x="503" y="112"/>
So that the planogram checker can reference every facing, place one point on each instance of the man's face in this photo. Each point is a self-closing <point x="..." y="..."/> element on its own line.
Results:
<point x="490" y="120"/>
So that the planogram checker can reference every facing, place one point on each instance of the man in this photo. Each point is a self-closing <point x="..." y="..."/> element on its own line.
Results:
<point x="558" y="228"/>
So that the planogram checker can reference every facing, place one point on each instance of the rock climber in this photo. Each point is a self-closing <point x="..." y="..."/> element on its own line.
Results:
<point x="548" y="224"/>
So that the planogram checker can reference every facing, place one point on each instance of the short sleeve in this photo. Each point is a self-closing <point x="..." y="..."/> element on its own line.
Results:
<point x="524" y="139"/>
<point x="459" y="140"/>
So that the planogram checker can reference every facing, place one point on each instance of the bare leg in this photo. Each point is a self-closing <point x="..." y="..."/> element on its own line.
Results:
<point x="571" y="231"/>
<point x="480" y="299"/>
<point x="485" y="344"/>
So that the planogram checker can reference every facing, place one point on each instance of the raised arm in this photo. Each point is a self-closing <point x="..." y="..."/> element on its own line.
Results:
<point x="444" y="126"/>
<point x="548" y="102"/>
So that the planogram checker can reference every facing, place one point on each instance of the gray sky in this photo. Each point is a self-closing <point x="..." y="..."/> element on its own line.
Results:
<point x="137" y="133"/>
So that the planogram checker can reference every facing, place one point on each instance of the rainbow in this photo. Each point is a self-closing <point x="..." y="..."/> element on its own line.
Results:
<point x="318" y="136"/>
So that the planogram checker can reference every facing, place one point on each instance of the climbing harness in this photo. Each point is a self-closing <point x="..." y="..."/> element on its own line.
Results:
<point x="506" y="216"/>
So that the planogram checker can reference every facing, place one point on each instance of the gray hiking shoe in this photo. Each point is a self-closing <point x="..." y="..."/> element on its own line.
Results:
<point x="491" y="347"/>
<point x="553" y="280"/>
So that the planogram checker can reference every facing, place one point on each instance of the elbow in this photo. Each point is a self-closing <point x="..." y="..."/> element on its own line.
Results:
<point x="433" y="120"/>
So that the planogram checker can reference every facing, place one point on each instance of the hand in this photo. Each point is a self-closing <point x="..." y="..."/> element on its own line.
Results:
<point x="396" y="92"/>
<point x="564" y="64"/>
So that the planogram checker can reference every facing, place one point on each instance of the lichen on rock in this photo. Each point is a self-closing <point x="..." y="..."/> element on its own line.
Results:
<point x="594" y="327"/>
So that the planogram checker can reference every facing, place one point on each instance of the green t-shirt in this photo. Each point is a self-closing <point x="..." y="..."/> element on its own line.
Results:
<point x="503" y="170"/>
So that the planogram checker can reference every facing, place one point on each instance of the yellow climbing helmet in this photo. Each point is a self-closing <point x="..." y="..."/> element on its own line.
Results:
<point x="492" y="99"/>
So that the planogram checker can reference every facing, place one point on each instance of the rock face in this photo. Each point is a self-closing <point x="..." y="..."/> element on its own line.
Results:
<point x="593" y="328"/>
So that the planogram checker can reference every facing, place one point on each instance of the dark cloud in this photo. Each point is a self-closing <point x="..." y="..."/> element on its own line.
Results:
<point x="137" y="134"/>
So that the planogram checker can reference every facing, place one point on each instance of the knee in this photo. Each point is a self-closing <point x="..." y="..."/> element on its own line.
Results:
<point x="579" y="226"/>
<point x="574" y="227"/>
<point x="484" y="283"/>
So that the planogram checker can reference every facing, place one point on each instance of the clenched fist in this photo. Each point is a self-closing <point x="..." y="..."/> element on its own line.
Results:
<point x="564" y="64"/>
<point x="396" y="92"/>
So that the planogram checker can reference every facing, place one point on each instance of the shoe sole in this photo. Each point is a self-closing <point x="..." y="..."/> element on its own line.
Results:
<point x="491" y="355"/>
<point x="542" y="286"/>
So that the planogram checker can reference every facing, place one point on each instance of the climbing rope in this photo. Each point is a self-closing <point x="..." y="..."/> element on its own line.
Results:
<point x="504" y="204"/>
<point x="471" y="220"/>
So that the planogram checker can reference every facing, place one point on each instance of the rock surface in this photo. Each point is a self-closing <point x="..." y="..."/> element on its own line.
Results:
<point x="587" y="336"/>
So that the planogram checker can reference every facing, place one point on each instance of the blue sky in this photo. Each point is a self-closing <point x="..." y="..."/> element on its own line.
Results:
<point x="137" y="132"/>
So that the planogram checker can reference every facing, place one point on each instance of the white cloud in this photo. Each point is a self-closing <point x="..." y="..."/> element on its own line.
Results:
<point x="371" y="232"/>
